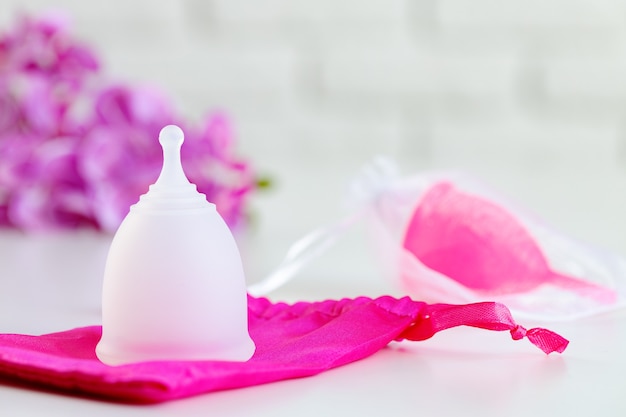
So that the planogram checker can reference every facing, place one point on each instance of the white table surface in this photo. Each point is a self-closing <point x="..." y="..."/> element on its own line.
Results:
<point x="51" y="283"/>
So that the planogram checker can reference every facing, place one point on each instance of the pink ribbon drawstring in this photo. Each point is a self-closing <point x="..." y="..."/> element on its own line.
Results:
<point x="487" y="315"/>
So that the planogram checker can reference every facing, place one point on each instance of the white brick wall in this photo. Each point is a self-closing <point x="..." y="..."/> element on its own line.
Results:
<point x="405" y="71"/>
<point x="550" y="13"/>
<point x="601" y="78"/>
<point x="528" y="95"/>
<point x="290" y="12"/>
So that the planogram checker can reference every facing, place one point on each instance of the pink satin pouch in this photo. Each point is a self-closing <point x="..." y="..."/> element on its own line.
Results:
<point x="292" y="341"/>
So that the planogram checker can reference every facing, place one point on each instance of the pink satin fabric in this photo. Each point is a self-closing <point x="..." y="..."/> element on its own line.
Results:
<point x="292" y="341"/>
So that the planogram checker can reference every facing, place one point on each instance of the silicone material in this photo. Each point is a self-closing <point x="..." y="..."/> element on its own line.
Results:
<point x="174" y="287"/>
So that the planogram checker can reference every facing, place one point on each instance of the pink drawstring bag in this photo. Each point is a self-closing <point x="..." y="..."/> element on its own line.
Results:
<point x="292" y="341"/>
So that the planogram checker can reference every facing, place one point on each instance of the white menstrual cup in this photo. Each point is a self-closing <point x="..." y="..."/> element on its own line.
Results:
<point x="174" y="287"/>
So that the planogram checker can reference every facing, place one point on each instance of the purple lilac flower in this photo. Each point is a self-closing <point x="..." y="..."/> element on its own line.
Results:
<point x="77" y="152"/>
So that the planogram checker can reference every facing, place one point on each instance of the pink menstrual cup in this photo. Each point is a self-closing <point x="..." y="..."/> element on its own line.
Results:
<point x="484" y="248"/>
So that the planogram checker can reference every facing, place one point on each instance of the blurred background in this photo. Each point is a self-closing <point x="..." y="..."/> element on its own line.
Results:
<point x="529" y="96"/>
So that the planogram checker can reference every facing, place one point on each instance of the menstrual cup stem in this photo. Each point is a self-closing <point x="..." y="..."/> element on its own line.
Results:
<point x="586" y="289"/>
<point x="172" y="175"/>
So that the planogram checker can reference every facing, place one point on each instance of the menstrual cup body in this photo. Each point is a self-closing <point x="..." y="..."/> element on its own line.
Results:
<point x="174" y="289"/>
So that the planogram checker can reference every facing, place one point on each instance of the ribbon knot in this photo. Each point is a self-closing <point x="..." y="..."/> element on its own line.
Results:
<point x="518" y="332"/>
